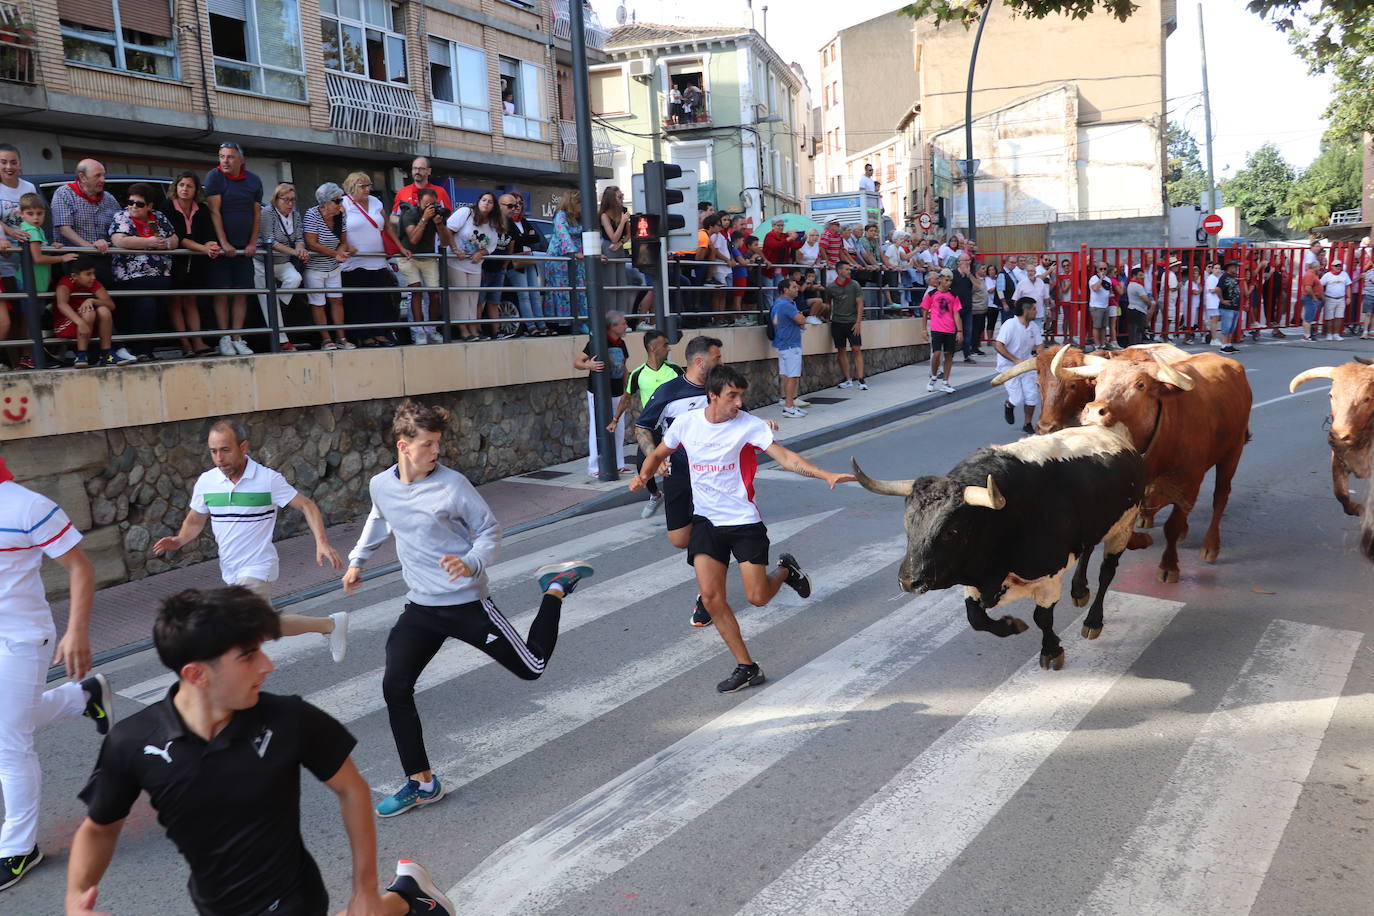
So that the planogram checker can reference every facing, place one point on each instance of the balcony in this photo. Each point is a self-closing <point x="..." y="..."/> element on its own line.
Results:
<point x="1346" y="217"/>
<point x="364" y="106"/>
<point x="592" y="31"/>
<point x="18" y="50"/>
<point x="686" y="115"/>
<point x="603" y="150"/>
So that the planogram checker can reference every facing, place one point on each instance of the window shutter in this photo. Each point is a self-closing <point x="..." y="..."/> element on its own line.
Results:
<point x="232" y="9"/>
<point x="532" y="81"/>
<point x="152" y="17"/>
<point x="91" y="13"/>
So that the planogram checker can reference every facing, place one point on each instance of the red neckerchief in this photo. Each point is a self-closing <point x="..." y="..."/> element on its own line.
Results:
<point x="4" y="472"/>
<point x="144" y="229"/>
<point x="839" y="282"/>
<point x="243" y="173"/>
<point x="76" y="189"/>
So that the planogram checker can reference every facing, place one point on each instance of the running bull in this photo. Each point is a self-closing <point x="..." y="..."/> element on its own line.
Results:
<point x="1352" y="423"/>
<point x="1008" y="521"/>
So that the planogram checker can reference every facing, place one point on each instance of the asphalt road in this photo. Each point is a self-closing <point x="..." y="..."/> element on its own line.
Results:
<point x="1210" y="753"/>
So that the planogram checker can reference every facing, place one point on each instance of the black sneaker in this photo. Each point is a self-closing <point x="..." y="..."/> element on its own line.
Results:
<point x="99" y="702"/>
<point x="414" y="885"/>
<point x="1008" y="413"/>
<point x="700" y="616"/>
<point x="798" y="580"/>
<point x="743" y="676"/>
<point x="1028" y="430"/>
<point x="14" y="868"/>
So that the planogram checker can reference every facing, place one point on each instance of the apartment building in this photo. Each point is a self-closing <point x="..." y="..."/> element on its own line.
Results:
<point x="312" y="89"/>
<point x="726" y="106"/>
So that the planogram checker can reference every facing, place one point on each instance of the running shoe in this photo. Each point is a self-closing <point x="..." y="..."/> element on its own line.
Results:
<point x="14" y="868"/>
<point x="338" y="637"/>
<point x="99" y="702"/>
<point x="947" y="388"/>
<point x="653" y="505"/>
<point x="106" y="359"/>
<point x="797" y="580"/>
<point x="930" y="386"/>
<point x="226" y="346"/>
<point x="566" y="574"/>
<point x="122" y="357"/>
<point x="796" y="402"/>
<point x="414" y="885"/>
<point x="863" y="386"/>
<point x="1028" y="430"/>
<point x="83" y="359"/>
<point x="847" y="383"/>
<point x="242" y="348"/>
<point x="700" y="616"/>
<point x="793" y="412"/>
<point x="743" y="676"/>
<point x="409" y="796"/>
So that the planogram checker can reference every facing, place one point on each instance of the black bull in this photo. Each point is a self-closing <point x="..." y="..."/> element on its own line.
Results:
<point x="1010" y="520"/>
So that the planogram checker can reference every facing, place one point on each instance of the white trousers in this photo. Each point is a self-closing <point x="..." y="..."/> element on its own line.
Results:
<point x="593" y="466"/>
<point x="27" y="707"/>
<point x="288" y="281"/>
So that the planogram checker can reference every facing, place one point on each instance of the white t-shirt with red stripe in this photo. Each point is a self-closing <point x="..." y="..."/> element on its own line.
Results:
<point x="723" y="458"/>
<point x="31" y="527"/>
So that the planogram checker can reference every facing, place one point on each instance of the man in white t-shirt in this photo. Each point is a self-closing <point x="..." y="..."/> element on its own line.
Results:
<point x="240" y="498"/>
<point x="1335" y="299"/>
<point x="866" y="183"/>
<point x="1020" y="339"/>
<point x="722" y="444"/>
<point x="32" y="527"/>
<point x="12" y="187"/>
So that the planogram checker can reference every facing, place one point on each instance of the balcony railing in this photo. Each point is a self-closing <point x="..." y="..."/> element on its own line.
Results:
<point x="1346" y="217"/>
<point x="689" y="114"/>
<point x="603" y="150"/>
<point x="592" y="31"/>
<point x="18" y="50"/>
<point x="365" y="106"/>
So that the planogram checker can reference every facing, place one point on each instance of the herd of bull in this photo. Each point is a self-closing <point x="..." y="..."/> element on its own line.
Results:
<point x="1010" y="520"/>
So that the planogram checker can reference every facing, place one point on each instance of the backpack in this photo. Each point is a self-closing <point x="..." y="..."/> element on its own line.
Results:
<point x="766" y="319"/>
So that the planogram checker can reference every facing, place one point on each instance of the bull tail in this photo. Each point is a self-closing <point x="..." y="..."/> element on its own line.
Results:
<point x="1248" y="437"/>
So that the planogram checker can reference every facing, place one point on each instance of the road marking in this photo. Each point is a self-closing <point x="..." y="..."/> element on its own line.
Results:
<point x="361" y="695"/>
<point x="1206" y="843"/>
<point x="383" y="614"/>
<point x="487" y="748"/>
<point x="614" y="824"/>
<point x="887" y="853"/>
<point x="1296" y="394"/>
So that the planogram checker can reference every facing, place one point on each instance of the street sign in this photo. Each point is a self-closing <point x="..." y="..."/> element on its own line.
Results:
<point x="924" y="221"/>
<point x="1212" y="224"/>
<point x="970" y="167"/>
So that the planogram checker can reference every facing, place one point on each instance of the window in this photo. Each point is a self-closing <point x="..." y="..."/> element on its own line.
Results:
<point x="522" y="86"/>
<point x="102" y="34"/>
<point x="257" y="45"/>
<point x="607" y="91"/>
<point x="458" y="79"/>
<point x="364" y="38"/>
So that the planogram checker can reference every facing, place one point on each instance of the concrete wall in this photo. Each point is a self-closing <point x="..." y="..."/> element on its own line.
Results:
<point x="1145" y="231"/>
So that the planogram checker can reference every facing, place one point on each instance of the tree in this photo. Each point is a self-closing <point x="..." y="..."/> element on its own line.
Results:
<point x="1186" y="180"/>
<point x="1330" y="183"/>
<point x="1261" y="188"/>
<point x="1336" y="36"/>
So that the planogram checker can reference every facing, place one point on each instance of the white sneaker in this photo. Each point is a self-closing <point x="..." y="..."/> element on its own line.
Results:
<point x="417" y="337"/>
<point x="794" y="412"/>
<point x="434" y="335"/>
<point x="847" y="383"/>
<point x="796" y="402"/>
<point x="241" y="348"/>
<point x="863" y="386"/>
<point x="226" y="347"/>
<point x="123" y="357"/>
<point x="338" y="640"/>
<point x="930" y="386"/>
<point x="652" y="506"/>
<point x="812" y="319"/>
<point x="947" y="388"/>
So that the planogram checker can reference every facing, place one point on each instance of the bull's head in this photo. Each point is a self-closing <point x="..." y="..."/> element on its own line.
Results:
<point x="1352" y="408"/>
<point x="940" y="526"/>
<point x="1062" y="396"/>
<point x="1129" y="390"/>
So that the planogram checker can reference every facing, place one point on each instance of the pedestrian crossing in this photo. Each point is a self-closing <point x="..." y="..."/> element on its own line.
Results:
<point x="1202" y="843"/>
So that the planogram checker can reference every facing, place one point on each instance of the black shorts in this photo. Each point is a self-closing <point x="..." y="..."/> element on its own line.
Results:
<point x="306" y="897"/>
<point x="844" y="335"/>
<point x="677" y="499"/>
<point x="943" y="342"/>
<point x="230" y="273"/>
<point x="747" y="543"/>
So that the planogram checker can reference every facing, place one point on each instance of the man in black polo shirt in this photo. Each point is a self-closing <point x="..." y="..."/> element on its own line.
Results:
<point x="220" y="762"/>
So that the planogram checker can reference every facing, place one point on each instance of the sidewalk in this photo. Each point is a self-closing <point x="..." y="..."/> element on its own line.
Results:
<point x="123" y="614"/>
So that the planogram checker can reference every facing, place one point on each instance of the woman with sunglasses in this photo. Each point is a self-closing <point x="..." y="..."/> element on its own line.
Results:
<point x="367" y="227"/>
<point x="191" y="221"/>
<point x="138" y="227"/>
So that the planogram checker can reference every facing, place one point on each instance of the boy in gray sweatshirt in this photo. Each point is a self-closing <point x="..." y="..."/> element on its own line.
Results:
<point x="446" y="537"/>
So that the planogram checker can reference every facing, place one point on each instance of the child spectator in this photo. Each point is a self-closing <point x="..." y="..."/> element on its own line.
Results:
<point x="84" y="309"/>
<point x="32" y="211"/>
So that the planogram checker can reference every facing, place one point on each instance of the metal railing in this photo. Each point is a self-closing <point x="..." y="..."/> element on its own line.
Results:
<point x="1346" y="217"/>
<point x="365" y="106"/>
<point x="688" y="114"/>
<point x="603" y="150"/>
<point x="18" y="50"/>
<point x="592" y="31"/>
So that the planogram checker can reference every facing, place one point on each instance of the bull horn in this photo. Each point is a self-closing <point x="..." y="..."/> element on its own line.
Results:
<point x="1056" y="366"/>
<point x="882" y="487"/>
<point x="1077" y="372"/>
<point x="1308" y="375"/>
<point x="988" y="497"/>
<point x="1021" y="368"/>
<point x="1167" y="373"/>
<point x="1364" y="361"/>
<point x="1095" y="359"/>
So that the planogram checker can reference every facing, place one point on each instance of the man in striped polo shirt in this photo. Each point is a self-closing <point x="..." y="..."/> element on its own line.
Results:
<point x="240" y="498"/>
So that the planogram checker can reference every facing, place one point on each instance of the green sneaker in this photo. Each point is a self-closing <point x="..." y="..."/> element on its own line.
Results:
<point x="409" y="796"/>
<point x="566" y="574"/>
<point x="99" y="702"/>
<point x="14" y="868"/>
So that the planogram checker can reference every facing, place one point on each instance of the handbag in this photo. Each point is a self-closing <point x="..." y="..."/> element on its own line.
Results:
<point x="389" y="245"/>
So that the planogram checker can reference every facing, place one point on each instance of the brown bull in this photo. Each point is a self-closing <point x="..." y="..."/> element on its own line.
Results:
<point x="1185" y="417"/>
<point x="1352" y="416"/>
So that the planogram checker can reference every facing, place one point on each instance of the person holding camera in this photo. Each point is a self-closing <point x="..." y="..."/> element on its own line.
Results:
<point x="420" y="224"/>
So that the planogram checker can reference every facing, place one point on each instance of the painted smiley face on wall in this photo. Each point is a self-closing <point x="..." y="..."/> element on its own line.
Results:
<point x="14" y="409"/>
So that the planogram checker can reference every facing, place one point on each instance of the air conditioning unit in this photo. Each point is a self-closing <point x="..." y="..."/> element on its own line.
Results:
<point x="641" y="67"/>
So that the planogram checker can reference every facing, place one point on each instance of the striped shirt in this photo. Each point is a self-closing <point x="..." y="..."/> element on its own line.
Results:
<point x="243" y="517"/>
<point x="314" y="222"/>
<point x="31" y="527"/>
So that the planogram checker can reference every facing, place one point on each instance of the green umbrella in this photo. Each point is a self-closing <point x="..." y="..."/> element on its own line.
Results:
<point x="794" y="222"/>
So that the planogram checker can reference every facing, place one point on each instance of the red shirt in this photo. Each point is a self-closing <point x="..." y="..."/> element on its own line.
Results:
<point x="778" y="248"/>
<point x="832" y="246"/>
<point x="411" y="195"/>
<point x="79" y="294"/>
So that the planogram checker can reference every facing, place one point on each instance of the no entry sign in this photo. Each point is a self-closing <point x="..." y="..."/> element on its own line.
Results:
<point x="1212" y="224"/>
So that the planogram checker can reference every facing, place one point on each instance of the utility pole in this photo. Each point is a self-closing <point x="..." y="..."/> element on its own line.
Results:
<point x="1207" y="128"/>
<point x="591" y="248"/>
<point x="971" y="164"/>
<point x="662" y="308"/>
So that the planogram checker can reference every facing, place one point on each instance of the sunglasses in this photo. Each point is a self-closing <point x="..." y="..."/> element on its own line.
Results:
<point x="337" y="200"/>
<point x="511" y="206"/>
<point x="137" y="203"/>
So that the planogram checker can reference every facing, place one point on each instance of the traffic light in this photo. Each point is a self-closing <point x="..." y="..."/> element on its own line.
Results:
<point x="671" y="194"/>
<point x="644" y="229"/>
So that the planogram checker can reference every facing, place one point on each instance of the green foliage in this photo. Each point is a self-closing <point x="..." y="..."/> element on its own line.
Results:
<point x="1186" y="180"/>
<point x="1332" y="182"/>
<point x="1261" y="188"/>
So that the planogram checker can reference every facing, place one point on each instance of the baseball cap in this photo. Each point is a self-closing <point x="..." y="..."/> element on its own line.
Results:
<point x="947" y="273"/>
<point x="327" y="192"/>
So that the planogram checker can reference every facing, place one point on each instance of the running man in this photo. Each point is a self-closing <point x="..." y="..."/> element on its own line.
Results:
<point x="446" y="538"/>
<point x="240" y="498"/>
<point x="720" y="442"/>
<point x="642" y="383"/>
<point x="673" y="399"/>
<point x="32" y="527"/>
<point x="221" y="763"/>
